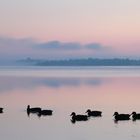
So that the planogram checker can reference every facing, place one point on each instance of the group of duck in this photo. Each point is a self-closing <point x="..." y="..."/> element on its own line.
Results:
<point x="135" y="116"/>
<point x="118" y="117"/>
<point x="36" y="110"/>
<point x="39" y="111"/>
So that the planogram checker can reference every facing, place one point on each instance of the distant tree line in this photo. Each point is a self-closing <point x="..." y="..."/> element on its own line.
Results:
<point x="82" y="62"/>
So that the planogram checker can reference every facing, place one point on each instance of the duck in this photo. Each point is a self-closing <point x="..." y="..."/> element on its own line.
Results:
<point x="94" y="113"/>
<point x="78" y="117"/>
<point x="45" y="112"/>
<point x="33" y="110"/>
<point x="121" y="116"/>
<point x="135" y="115"/>
<point x="1" y="110"/>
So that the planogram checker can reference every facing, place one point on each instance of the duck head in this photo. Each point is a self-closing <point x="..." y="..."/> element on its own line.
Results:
<point x="133" y="113"/>
<point x="88" y="111"/>
<point x="73" y="114"/>
<point x="115" y="114"/>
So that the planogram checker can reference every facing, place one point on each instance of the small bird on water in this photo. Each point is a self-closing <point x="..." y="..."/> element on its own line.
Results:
<point x="78" y="117"/>
<point x="1" y="110"/>
<point x="36" y="110"/>
<point x="119" y="117"/>
<point x="135" y="116"/>
<point x="94" y="113"/>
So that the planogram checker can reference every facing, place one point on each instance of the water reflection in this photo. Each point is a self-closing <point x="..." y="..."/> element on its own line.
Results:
<point x="118" y="121"/>
<point x="134" y="120"/>
<point x="73" y="121"/>
<point x="65" y="95"/>
<point x="12" y="83"/>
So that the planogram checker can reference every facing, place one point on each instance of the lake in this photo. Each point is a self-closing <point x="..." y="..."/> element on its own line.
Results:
<point x="64" y="90"/>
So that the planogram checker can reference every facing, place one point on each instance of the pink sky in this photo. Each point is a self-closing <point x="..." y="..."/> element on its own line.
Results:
<point x="109" y="23"/>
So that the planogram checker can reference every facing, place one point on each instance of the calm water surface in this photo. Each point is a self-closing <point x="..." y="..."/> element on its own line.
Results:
<point x="65" y="90"/>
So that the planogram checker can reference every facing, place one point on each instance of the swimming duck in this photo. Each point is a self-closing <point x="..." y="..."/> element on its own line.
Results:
<point x="33" y="110"/>
<point x="121" y="116"/>
<point x="135" y="115"/>
<point x="78" y="117"/>
<point x="94" y="113"/>
<point x="1" y="110"/>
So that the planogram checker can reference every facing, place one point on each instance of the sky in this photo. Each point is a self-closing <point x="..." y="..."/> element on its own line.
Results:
<point x="69" y="28"/>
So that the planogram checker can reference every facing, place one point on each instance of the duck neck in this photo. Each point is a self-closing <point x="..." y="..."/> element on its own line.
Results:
<point x="28" y="107"/>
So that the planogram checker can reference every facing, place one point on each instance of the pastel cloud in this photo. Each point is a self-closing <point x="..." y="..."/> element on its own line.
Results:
<point x="11" y="45"/>
<point x="106" y="22"/>
<point x="11" y="48"/>
<point x="57" y="45"/>
<point x="95" y="46"/>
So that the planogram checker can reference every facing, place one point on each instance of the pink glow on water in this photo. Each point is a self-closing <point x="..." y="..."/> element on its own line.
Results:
<point x="116" y="94"/>
<point x="63" y="97"/>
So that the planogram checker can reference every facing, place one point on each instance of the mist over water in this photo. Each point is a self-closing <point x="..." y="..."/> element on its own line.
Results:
<point x="66" y="90"/>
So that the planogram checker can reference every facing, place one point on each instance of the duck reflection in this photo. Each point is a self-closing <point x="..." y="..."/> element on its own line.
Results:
<point x="30" y="83"/>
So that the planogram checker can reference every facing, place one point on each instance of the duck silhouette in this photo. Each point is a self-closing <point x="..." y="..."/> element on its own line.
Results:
<point x="135" y="116"/>
<point x="36" y="110"/>
<point x="118" y="116"/>
<point x="1" y="110"/>
<point x="45" y="113"/>
<point x="78" y="117"/>
<point x="94" y="113"/>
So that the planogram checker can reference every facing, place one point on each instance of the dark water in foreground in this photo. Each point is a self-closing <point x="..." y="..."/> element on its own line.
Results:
<point x="65" y="91"/>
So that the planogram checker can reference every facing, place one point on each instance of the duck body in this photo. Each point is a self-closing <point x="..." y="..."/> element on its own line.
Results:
<point x="120" y="117"/>
<point x="135" y="115"/>
<point x="46" y="112"/>
<point x="94" y="113"/>
<point x="33" y="110"/>
<point x="79" y="117"/>
<point x="1" y="110"/>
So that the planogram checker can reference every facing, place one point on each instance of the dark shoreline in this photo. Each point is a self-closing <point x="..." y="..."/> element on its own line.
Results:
<point x="80" y="62"/>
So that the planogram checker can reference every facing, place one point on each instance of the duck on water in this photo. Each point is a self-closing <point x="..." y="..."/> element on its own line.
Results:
<point x="94" y="113"/>
<point x="135" y="116"/>
<point x="1" y="110"/>
<point x="45" y="113"/>
<point x="36" y="110"/>
<point x="119" y="117"/>
<point x="78" y="117"/>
